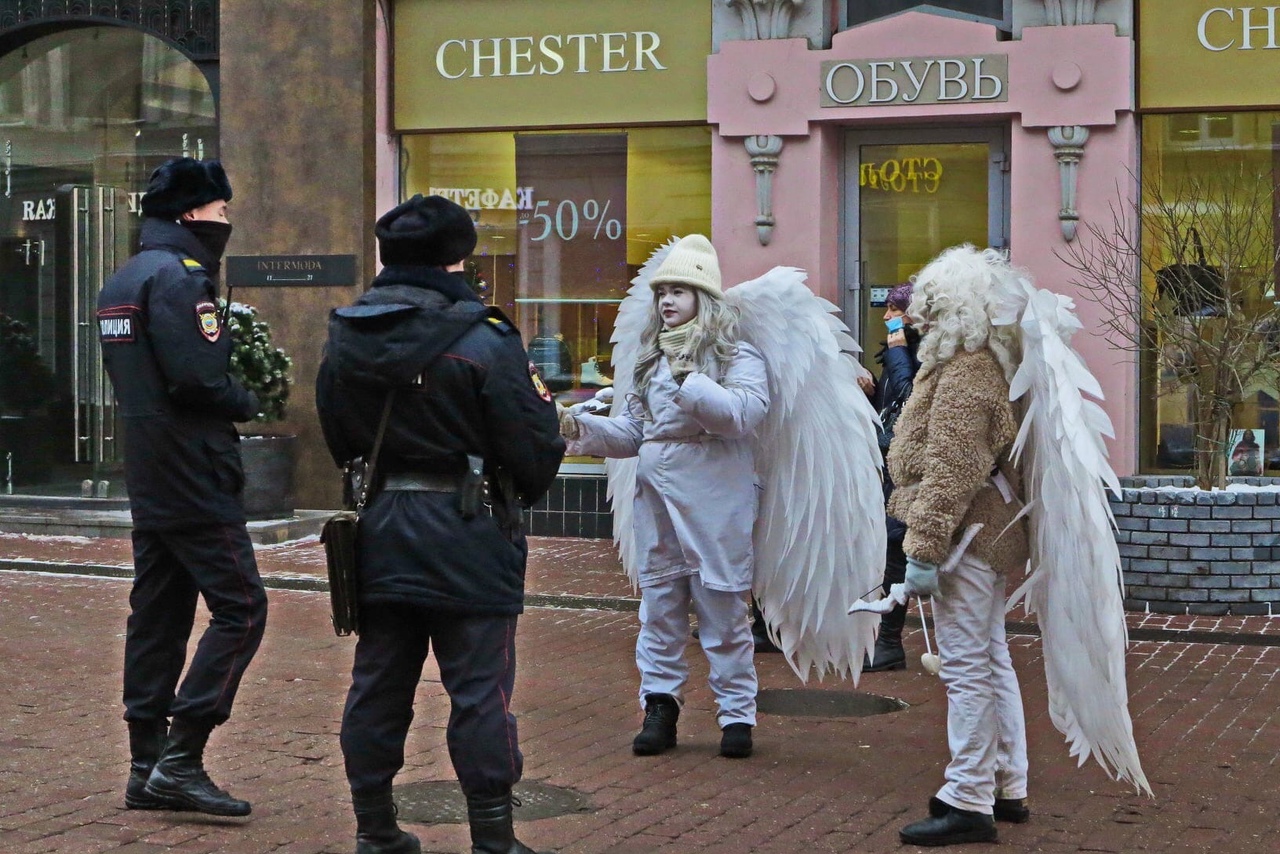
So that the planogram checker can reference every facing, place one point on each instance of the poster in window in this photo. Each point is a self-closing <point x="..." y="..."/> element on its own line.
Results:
<point x="1244" y="456"/>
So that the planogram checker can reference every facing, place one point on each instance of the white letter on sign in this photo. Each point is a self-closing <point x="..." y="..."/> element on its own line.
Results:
<point x="1202" y="29"/>
<point x="440" y="58"/>
<point x="830" y="83"/>
<point x="977" y="82"/>
<point x="877" y="80"/>
<point x="918" y="83"/>
<point x="945" y="79"/>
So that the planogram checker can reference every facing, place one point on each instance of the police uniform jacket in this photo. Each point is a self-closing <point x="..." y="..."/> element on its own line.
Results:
<point x="463" y="385"/>
<point x="168" y="354"/>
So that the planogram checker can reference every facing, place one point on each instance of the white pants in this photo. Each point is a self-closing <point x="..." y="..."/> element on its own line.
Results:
<point x="724" y="629"/>
<point x="986" y="729"/>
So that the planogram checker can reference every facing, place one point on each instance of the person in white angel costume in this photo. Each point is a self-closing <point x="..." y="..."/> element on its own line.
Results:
<point x="994" y="344"/>
<point x="741" y="454"/>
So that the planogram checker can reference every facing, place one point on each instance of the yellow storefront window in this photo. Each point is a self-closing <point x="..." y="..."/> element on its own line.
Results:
<point x="565" y="219"/>
<point x="1209" y="184"/>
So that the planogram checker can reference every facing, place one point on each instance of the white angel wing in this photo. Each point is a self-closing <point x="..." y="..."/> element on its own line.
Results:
<point x="633" y="313"/>
<point x="820" y="533"/>
<point x="1075" y="586"/>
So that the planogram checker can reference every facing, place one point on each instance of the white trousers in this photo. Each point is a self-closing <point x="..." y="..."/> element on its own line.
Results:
<point x="724" y="629"/>
<point x="986" y="729"/>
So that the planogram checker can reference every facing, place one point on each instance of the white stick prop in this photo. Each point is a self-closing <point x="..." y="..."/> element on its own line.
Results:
<point x="929" y="661"/>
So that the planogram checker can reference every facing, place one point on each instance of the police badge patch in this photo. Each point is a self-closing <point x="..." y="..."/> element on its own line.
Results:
<point x="538" y="384"/>
<point x="207" y="318"/>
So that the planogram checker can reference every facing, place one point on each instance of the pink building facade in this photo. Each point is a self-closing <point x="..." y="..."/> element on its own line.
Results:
<point x="860" y="154"/>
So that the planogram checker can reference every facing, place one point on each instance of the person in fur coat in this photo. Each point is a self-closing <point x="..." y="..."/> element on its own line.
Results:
<point x="955" y="484"/>
<point x="699" y="394"/>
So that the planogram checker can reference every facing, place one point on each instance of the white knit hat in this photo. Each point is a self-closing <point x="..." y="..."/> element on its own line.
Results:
<point x="692" y="261"/>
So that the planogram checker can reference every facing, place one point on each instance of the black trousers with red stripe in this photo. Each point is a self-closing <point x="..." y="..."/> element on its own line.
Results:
<point x="477" y="661"/>
<point x="171" y="570"/>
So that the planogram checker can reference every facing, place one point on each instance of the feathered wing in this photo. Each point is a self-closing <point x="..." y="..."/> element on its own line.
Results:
<point x="820" y="533"/>
<point x="1074" y="586"/>
<point x="633" y="314"/>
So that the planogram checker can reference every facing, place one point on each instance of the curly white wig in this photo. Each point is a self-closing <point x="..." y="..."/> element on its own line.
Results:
<point x="953" y="300"/>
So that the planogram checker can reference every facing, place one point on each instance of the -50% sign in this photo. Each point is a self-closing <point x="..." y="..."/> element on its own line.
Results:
<point x="569" y="220"/>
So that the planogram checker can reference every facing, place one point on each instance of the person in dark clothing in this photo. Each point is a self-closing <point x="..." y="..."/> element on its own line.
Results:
<point x="167" y="351"/>
<point x="436" y="570"/>
<point x="898" y="363"/>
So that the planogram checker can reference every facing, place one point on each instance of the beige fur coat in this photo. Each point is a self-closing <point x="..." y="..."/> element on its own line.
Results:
<point x="956" y="427"/>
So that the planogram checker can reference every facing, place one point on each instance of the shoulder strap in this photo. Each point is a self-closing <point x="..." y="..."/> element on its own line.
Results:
<point x="367" y="486"/>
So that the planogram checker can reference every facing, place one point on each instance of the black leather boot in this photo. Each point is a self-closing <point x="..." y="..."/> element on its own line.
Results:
<point x="735" y="741"/>
<point x="376" y="828"/>
<point x="1012" y="810"/>
<point x="760" y="631"/>
<point x="179" y="778"/>
<point x="888" y="653"/>
<point x="661" y="711"/>
<point x="492" y="831"/>
<point x="952" y="827"/>
<point x="146" y="740"/>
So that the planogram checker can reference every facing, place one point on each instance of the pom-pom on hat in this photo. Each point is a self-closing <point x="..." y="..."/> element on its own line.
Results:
<point x="427" y="231"/>
<point x="184" y="184"/>
<point x="899" y="297"/>
<point x="692" y="261"/>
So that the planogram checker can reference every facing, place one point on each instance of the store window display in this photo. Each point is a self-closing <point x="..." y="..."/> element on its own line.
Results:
<point x="565" y="219"/>
<point x="1209" y="245"/>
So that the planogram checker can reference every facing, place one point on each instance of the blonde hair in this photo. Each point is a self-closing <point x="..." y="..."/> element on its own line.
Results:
<point x="954" y="298"/>
<point x="712" y="347"/>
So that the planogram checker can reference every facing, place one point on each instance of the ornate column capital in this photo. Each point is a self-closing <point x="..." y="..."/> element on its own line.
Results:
<point x="1066" y="13"/>
<point x="1068" y="143"/>
<point x="764" y="152"/>
<point x="765" y="19"/>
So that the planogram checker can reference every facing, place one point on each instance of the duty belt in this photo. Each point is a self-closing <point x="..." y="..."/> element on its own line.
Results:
<point x="422" y="482"/>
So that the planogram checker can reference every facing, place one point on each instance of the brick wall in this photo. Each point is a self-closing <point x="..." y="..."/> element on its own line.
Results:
<point x="1185" y="551"/>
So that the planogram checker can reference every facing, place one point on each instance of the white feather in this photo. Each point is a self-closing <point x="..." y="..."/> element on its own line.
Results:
<point x="1074" y="585"/>
<point x="820" y="535"/>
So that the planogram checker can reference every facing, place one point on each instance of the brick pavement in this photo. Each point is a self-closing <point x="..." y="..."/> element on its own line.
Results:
<point x="1205" y="717"/>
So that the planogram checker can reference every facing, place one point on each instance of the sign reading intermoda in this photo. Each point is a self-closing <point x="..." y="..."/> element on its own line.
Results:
<point x="473" y="64"/>
<point x="1201" y="53"/>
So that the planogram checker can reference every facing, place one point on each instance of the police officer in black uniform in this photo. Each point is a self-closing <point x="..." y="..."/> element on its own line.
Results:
<point x="167" y="351"/>
<point x="437" y="566"/>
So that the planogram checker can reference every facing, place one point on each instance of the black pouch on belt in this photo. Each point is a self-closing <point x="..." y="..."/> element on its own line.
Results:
<point x="471" y="495"/>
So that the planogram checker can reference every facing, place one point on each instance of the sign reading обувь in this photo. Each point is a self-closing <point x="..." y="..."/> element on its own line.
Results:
<point x="915" y="80"/>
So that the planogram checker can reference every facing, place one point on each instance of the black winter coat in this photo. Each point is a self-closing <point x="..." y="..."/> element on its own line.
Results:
<point x="899" y="367"/>
<point x="167" y="353"/>
<point x="463" y="385"/>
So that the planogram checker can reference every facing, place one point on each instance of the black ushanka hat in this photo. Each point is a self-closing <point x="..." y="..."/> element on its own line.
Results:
<point x="428" y="231"/>
<point x="184" y="184"/>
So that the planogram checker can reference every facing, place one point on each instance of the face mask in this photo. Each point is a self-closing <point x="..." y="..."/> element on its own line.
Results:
<point x="212" y="234"/>
<point x="893" y="324"/>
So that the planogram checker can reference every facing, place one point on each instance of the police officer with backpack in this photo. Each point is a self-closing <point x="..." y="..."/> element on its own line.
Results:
<point x="471" y="438"/>
<point x="167" y="350"/>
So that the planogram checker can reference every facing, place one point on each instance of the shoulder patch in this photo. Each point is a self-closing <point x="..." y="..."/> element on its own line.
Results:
<point x="118" y="324"/>
<point x="207" y="320"/>
<point x="539" y="386"/>
<point x="501" y="325"/>
<point x="192" y="265"/>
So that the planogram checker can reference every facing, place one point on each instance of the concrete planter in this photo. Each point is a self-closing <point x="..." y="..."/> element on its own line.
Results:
<point x="269" y="464"/>
<point x="1186" y="551"/>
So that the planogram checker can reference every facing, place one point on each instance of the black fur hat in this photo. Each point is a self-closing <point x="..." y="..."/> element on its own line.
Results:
<point x="428" y="231"/>
<point x="184" y="184"/>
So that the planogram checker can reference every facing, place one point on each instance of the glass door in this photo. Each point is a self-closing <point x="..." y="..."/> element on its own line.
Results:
<point x="908" y="196"/>
<point x="85" y="115"/>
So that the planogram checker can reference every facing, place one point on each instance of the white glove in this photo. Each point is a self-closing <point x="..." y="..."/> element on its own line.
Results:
<point x="569" y="427"/>
<point x="922" y="578"/>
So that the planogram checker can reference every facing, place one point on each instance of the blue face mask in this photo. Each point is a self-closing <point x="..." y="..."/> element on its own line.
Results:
<point x="893" y="324"/>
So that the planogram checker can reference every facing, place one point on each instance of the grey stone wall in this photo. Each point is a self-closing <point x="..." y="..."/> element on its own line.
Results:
<point x="1205" y="553"/>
